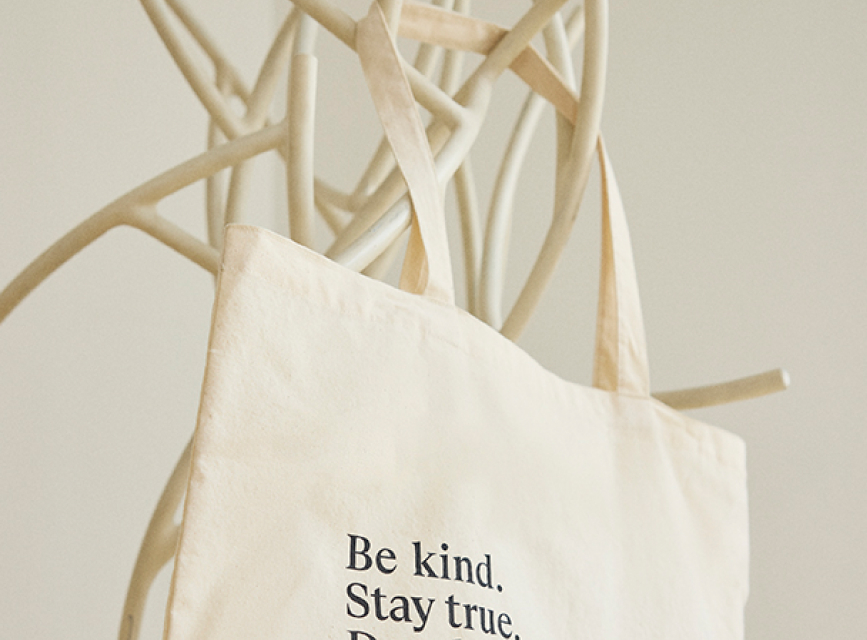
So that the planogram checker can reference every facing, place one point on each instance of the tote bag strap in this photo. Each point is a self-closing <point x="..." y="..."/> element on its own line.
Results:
<point x="620" y="362"/>
<point x="427" y="267"/>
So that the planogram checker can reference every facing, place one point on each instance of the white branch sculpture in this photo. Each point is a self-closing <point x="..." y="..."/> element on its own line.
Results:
<point x="368" y="221"/>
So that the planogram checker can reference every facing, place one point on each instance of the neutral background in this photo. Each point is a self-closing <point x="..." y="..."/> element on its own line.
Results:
<point x="737" y="131"/>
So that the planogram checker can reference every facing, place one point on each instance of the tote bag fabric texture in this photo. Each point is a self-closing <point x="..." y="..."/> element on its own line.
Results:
<point x="376" y="464"/>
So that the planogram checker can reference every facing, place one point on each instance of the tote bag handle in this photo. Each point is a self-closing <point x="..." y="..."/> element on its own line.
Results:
<point x="620" y="361"/>
<point x="427" y="266"/>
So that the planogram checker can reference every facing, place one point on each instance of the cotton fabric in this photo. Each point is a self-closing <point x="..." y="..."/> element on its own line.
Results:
<point x="375" y="463"/>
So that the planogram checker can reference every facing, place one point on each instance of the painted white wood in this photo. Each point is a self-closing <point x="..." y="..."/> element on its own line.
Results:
<point x="369" y="221"/>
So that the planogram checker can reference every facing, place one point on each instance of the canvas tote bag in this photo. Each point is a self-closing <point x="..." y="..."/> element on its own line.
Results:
<point x="376" y="464"/>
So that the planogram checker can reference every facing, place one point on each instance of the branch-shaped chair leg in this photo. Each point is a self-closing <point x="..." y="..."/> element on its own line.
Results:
<point x="137" y="209"/>
<point x="157" y="548"/>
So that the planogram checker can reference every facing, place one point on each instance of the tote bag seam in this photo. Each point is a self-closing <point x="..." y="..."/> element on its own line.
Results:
<point x="729" y="454"/>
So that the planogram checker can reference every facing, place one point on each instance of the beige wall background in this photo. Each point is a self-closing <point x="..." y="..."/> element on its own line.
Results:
<point x="737" y="132"/>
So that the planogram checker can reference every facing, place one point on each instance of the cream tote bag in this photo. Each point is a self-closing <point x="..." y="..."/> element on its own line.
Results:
<point x="376" y="464"/>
